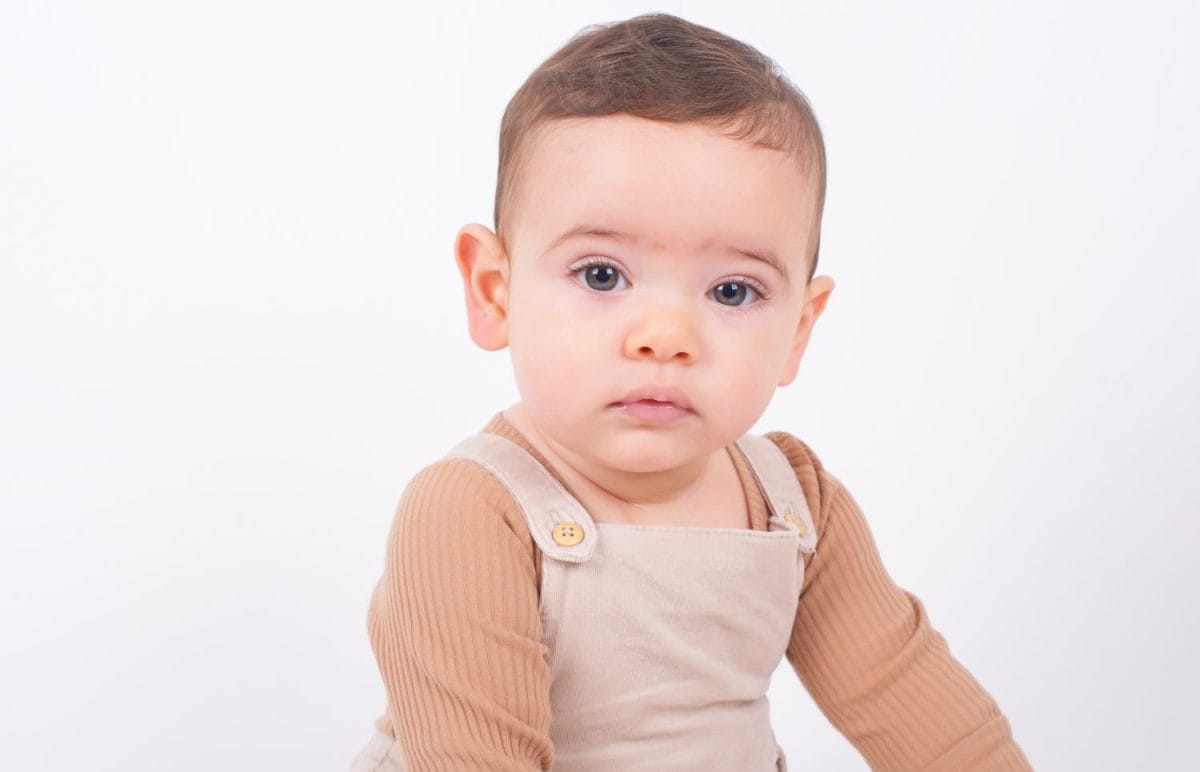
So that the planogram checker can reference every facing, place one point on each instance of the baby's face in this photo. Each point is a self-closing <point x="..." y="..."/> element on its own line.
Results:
<point x="632" y="266"/>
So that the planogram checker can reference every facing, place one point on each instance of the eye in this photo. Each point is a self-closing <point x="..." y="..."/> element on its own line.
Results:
<point x="602" y="276"/>
<point x="733" y="292"/>
<point x="598" y="274"/>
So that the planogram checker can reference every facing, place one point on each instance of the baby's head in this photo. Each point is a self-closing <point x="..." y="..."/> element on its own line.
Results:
<point x="658" y="210"/>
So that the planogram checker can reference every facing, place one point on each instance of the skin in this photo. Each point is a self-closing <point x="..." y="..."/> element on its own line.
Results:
<point x="581" y="338"/>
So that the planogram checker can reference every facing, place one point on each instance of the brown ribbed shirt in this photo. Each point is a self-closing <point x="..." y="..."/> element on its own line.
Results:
<point x="455" y="628"/>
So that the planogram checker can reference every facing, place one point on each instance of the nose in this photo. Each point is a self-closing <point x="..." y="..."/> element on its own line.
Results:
<point x="664" y="334"/>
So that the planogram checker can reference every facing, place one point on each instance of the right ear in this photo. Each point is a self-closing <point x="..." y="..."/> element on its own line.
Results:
<point x="483" y="263"/>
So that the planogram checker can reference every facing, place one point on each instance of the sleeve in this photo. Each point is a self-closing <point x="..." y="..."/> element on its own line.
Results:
<point x="455" y="627"/>
<point x="865" y="650"/>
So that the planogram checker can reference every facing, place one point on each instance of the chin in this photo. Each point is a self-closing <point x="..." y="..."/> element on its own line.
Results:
<point x="642" y="452"/>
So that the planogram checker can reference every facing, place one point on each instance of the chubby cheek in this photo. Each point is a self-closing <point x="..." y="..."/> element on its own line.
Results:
<point x="746" y="374"/>
<point x="555" y="359"/>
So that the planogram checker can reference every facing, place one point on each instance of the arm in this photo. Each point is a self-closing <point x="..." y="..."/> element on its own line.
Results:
<point x="865" y="650"/>
<point x="455" y="627"/>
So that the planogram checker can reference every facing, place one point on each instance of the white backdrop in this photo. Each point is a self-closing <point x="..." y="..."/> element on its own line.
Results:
<point x="231" y="330"/>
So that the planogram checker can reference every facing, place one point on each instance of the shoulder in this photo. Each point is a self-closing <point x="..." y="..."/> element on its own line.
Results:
<point x="458" y="481"/>
<point x="821" y="488"/>
<point x="455" y="502"/>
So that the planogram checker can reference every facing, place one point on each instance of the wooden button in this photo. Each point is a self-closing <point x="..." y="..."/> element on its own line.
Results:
<point x="567" y="534"/>
<point x="800" y="527"/>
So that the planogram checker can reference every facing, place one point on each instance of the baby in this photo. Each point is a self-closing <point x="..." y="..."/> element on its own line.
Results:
<point x="606" y="576"/>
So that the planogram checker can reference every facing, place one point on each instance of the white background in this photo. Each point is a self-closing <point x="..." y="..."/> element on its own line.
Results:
<point x="231" y="330"/>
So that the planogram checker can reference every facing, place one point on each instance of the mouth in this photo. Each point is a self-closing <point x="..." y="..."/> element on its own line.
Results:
<point x="654" y="395"/>
<point x="652" y="411"/>
<point x="655" y="404"/>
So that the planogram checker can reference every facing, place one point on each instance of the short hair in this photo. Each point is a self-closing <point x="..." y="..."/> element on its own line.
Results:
<point x="661" y="67"/>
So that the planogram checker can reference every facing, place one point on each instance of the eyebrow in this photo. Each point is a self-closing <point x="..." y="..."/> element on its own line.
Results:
<point x="769" y="258"/>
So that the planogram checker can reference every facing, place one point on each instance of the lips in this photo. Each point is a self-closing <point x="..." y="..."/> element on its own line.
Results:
<point x="657" y="393"/>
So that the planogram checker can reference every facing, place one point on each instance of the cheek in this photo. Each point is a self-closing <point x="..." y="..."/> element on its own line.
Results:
<point x="750" y="359"/>
<point x="551" y="349"/>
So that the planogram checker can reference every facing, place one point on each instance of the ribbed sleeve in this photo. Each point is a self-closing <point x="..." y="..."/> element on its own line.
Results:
<point x="866" y="652"/>
<point x="455" y="628"/>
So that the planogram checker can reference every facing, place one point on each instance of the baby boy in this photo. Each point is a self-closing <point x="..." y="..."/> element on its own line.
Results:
<point x="653" y="274"/>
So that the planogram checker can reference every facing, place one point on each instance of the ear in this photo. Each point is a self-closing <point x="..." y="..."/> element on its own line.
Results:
<point x="817" y="296"/>
<point x="483" y="263"/>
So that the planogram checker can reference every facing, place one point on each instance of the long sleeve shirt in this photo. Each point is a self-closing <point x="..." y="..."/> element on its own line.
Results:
<point x="455" y="628"/>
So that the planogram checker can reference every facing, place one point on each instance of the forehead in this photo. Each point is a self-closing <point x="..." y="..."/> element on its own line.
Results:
<point x="673" y="185"/>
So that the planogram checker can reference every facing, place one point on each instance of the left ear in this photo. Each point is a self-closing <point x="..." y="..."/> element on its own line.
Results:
<point x="817" y="296"/>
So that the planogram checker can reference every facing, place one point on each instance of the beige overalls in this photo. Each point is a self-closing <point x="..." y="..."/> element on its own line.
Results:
<point x="662" y="639"/>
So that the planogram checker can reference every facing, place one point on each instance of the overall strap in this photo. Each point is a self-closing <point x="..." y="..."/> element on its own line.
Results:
<point x="558" y="523"/>
<point x="780" y="487"/>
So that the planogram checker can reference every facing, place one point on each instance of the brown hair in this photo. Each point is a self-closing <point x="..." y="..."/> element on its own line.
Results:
<point x="664" y="68"/>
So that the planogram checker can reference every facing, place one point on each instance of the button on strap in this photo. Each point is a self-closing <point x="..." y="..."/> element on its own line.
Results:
<point x="558" y="523"/>
<point x="781" y="489"/>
